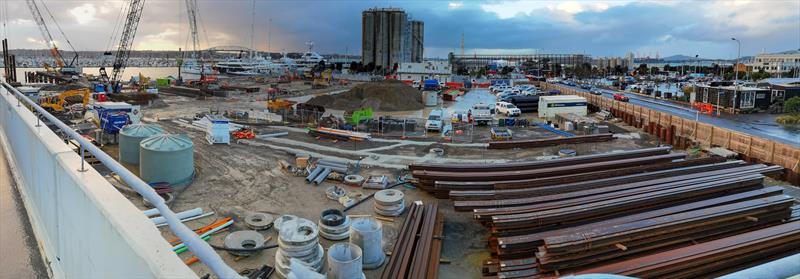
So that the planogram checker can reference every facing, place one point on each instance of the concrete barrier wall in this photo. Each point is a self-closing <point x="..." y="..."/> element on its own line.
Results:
<point x="83" y="225"/>
<point x="750" y="147"/>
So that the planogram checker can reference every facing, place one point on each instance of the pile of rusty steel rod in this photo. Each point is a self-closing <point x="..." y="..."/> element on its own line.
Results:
<point x="441" y="179"/>
<point x="550" y="141"/>
<point x="713" y="258"/>
<point x="571" y="214"/>
<point x="418" y="246"/>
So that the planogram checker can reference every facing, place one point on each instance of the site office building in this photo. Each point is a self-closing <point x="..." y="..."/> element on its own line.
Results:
<point x="438" y="70"/>
<point x="549" y="106"/>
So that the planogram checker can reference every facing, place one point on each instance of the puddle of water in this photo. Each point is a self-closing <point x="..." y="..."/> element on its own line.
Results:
<point x="461" y="104"/>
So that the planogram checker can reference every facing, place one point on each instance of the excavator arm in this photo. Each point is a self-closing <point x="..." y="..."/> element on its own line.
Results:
<point x="56" y="103"/>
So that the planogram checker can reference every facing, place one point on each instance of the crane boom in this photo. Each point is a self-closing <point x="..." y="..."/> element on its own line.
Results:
<point x="126" y="40"/>
<point x="37" y="16"/>
<point x="191" y="12"/>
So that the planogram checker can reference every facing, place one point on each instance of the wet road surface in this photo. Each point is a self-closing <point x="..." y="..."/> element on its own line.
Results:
<point x="760" y="124"/>
<point x="20" y="255"/>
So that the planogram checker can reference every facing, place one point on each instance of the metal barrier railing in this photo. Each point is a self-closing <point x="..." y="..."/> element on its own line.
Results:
<point x="200" y="248"/>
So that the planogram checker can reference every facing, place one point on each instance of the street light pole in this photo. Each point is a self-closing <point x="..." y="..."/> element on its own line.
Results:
<point x="736" y="71"/>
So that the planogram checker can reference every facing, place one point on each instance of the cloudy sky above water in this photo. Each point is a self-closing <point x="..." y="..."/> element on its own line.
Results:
<point x="599" y="28"/>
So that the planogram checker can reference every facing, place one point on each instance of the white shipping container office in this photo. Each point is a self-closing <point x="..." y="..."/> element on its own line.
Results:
<point x="550" y="105"/>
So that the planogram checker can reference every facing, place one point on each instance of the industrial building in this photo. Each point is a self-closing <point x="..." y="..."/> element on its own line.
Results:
<point x="388" y="37"/>
<point x="732" y="98"/>
<point x="544" y="62"/>
<point x="439" y="70"/>
<point x="777" y="62"/>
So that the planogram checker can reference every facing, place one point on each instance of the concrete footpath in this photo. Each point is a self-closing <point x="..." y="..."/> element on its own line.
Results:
<point x="20" y="254"/>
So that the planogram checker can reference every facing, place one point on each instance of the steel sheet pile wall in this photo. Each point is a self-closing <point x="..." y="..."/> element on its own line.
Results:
<point x="85" y="227"/>
<point x="682" y="133"/>
<point x="568" y="215"/>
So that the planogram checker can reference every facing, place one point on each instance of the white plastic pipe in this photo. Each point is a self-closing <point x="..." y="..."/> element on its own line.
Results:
<point x="151" y="212"/>
<point x="200" y="248"/>
<point x="220" y="227"/>
<point x="181" y="215"/>
<point x="367" y="234"/>
<point x="777" y="269"/>
<point x="344" y="261"/>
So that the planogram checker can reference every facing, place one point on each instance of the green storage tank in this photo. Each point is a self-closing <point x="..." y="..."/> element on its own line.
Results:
<point x="167" y="158"/>
<point x="129" y="138"/>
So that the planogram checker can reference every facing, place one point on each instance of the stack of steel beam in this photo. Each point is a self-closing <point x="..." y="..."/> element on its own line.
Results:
<point x="417" y="249"/>
<point x="571" y="214"/>
<point x="550" y="141"/>
<point x="713" y="258"/>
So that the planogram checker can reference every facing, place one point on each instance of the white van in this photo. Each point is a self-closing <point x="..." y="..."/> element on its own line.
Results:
<point x="435" y="120"/>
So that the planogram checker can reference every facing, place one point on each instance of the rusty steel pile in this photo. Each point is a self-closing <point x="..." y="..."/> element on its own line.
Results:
<point x="609" y="212"/>
<point x="418" y="247"/>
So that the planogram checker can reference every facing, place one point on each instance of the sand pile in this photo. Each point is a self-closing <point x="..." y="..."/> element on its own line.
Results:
<point x="387" y="95"/>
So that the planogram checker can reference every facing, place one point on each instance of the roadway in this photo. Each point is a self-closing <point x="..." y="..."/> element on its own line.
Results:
<point x="758" y="124"/>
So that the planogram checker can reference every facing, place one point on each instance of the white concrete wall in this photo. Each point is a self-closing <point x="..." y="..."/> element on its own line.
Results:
<point x="84" y="226"/>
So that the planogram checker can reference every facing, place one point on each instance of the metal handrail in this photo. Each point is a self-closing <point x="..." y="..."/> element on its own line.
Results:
<point x="200" y="248"/>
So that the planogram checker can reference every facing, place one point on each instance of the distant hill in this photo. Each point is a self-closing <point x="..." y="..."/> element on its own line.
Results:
<point x="681" y="57"/>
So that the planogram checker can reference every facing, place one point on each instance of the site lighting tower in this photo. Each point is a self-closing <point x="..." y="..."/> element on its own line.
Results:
<point x="736" y="71"/>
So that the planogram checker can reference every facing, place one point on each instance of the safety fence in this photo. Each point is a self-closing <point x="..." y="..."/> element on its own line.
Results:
<point x="683" y="133"/>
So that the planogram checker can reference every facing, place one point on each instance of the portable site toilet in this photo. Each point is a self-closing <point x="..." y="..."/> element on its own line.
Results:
<point x="549" y="106"/>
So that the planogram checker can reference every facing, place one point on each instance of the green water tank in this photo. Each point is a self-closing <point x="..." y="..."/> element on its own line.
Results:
<point x="129" y="138"/>
<point x="167" y="158"/>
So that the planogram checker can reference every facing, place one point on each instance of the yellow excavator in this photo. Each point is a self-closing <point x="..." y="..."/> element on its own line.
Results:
<point x="56" y="102"/>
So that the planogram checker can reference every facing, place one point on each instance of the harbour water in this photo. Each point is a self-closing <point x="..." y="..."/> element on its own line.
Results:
<point x="151" y="72"/>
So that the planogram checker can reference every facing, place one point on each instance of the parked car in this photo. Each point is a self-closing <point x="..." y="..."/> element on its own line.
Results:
<point x="507" y="97"/>
<point x="620" y="97"/>
<point x="595" y="91"/>
<point x="507" y="108"/>
<point x="435" y="120"/>
<point x="586" y="86"/>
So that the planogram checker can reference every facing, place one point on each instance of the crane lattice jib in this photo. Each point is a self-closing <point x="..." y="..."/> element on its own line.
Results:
<point x="126" y="40"/>
<point x="191" y="9"/>
<point x="37" y="16"/>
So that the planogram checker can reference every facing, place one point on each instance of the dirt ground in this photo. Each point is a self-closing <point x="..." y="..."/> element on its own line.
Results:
<point x="247" y="176"/>
<point x="234" y="179"/>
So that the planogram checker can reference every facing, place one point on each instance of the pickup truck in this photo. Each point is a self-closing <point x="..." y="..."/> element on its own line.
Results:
<point x="482" y="114"/>
<point x="507" y="108"/>
<point x="435" y="120"/>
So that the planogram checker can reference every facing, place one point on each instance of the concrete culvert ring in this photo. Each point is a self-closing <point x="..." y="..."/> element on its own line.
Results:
<point x="168" y="199"/>
<point x="334" y="193"/>
<point x="258" y="221"/>
<point x="354" y="179"/>
<point x="281" y="220"/>
<point x="243" y="240"/>
<point x="332" y="217"/>
<point x="389" y="197"/>
<point x="344" y="261"/>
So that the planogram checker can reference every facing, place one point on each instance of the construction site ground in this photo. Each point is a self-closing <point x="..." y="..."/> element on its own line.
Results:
<point x="249" y="176"/>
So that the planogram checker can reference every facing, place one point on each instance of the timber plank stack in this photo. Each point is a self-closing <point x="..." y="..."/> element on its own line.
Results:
<point x="570" y="215"/>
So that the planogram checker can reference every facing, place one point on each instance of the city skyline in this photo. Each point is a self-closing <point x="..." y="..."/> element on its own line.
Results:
<point x="597" y="28"/>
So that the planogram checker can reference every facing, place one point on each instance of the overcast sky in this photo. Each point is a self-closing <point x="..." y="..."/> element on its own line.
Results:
<point x="598" y="28"/>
